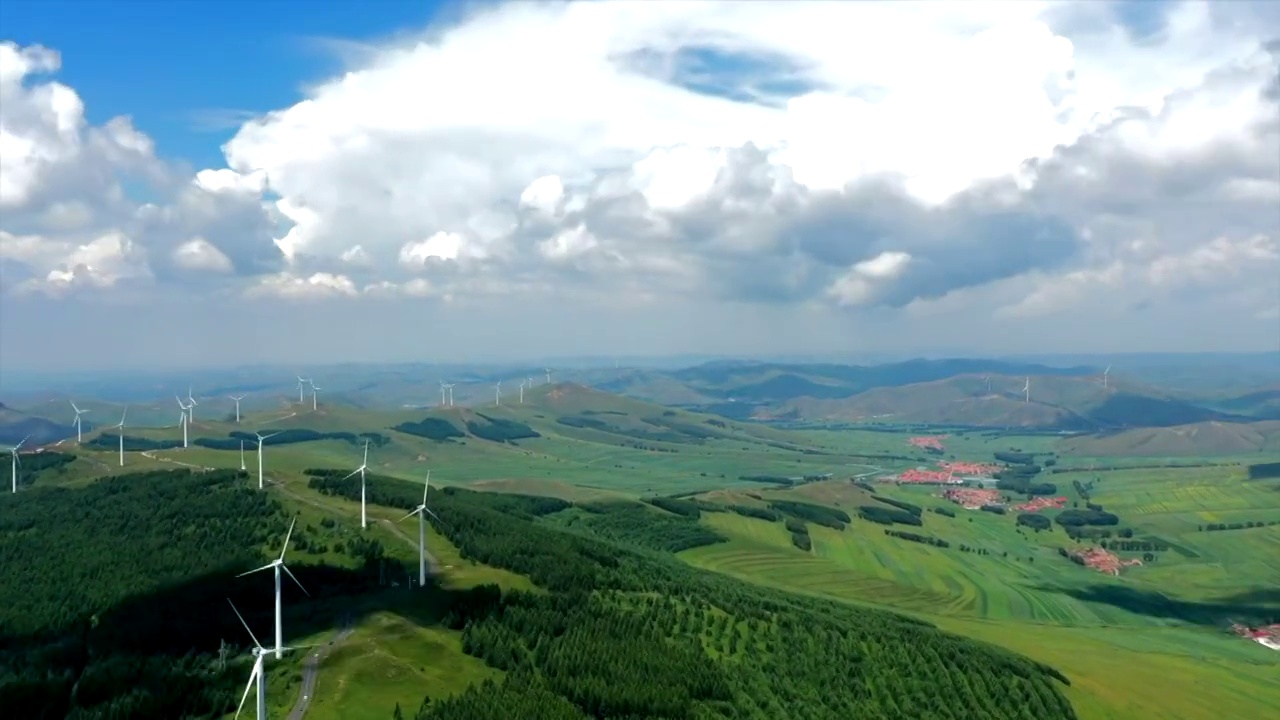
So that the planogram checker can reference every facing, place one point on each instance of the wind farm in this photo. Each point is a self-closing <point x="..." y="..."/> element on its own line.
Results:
<point x="625" y="476"/>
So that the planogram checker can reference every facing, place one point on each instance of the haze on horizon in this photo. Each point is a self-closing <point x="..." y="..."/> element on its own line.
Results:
<point x="616" y="178"/>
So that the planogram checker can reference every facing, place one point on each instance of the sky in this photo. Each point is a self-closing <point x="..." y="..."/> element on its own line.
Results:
<point x="196" y="184"/>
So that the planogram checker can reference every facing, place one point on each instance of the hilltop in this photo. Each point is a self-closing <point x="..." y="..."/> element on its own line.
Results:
<point x="1057" y="402"/>
<point x="1195" y="440"/>
<point x="16" y="425"/>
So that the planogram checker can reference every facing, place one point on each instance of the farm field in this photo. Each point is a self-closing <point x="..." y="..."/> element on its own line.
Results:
<point x="1122" y="640"/>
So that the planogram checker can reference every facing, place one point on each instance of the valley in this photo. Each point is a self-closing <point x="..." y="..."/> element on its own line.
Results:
<point x="831" y="516"/>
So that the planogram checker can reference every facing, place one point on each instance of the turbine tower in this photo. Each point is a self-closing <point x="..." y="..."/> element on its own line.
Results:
<point x="301" y="384"/>
<point x="1026" y="390"/>
<point x="421" y="511"/>
<point x="191" y="403"/>
<point x="442" y="393"/>
<point x="314" y="390"/>
<point x="237" y="399"/>
<point x="497" y="394"/>
<point x="241" y="456"/>
<point x="521" y="392"/>
<point x="278" y="565"/>
<point x="183" y="419"/>
<point x="364" y="519"/>
<point x="548" y="371"/>
<point x="1105" y="375"/>
<point x="13" y="456"/>
<point x="120" y="428"/>
<point x="450" y="388"/>
<point x="258" y="654"/>
<point x="79" y="412"/>
<point x="261" y="439"/>
<point x="987" y="380"/>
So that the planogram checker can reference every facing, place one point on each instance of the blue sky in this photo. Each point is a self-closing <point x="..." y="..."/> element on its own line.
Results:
<point x="638" y="178"/>
<point x="167" y="63"/>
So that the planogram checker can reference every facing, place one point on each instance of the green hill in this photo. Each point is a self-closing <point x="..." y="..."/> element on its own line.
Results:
<point x="1195" y="440"/>
<point x="1057" y="402"/>
<point x="16" y="425"/>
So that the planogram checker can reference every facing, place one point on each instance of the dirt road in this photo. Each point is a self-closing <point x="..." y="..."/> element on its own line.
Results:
<point x="311" y="670"/>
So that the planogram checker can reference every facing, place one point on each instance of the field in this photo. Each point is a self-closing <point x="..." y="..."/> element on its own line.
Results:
<point x="1152" y="638"/>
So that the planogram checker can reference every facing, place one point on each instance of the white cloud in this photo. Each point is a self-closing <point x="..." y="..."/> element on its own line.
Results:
<point x="198" y="254"/>
<point x="1049" y="161"/>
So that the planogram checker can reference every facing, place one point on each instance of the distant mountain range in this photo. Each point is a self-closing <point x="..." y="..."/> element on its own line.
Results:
<point x="954" y="392"/>
<point x="16" y="425"/>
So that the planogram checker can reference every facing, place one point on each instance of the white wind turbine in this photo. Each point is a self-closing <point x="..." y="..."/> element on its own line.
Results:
<point x="237" y="399"/>
<point x="120" y="434"/>
<point x="442" y="393"/>
<point x="449" y="387"/>
<point x="497" y="394"/>
<point x="421" y="511"/>
<point x="261" y="439"/>
<point x="521" y="392"/>
<point x="987" y="380"/>
<point x="1105" y="376"/>
<point x="258" y="654"/>
<point x="301" y="385"/>
<point x="548" y="371"/>
<point x="241" y="456"/>
<point x="1026" y="389"/>
<point x="364" y="465"/>
<point x="79" y="412"/>
<point x="314" y="390"/>
<point x="191" y="403"/>
<point x="278" y="565"/>
<point x="184" y="419"/>
<point x="13" y="455"/>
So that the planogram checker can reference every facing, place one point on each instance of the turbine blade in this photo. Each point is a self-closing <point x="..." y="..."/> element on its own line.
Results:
<point x="406" y="517"/>
<point x="73" y="407"/>
<point x="287" y="536"/>
<point x="245" y="624"/>
<point x="247" y="687"/>
<point x="353" y="472"/>
<point x="124" y="414"/>
<point x="428" y="511"/>
<point x="365" y="462"/>
<point x="426" y="484"/>
<point x="250" y="572"/>
<point x="295" y="579"/>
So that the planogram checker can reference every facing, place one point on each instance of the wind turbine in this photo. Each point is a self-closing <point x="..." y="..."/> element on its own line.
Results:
<point x="421" y="511"/>
<point x="258" y="654"/>
<point x="278" y="565"/>
<point x="79" y="412"/>
<point x="120" y="428"/>
<point x="237" y="399"/>
<point x="301" y="382"/>
<point x="314" y="390"/>
<point x="1026" y="389"/>
<point x="183" y="419"/>
<point x="241" y="456"/>
<point x="450" y="388"/>
<point x="521" y="392"/>
<point x="262" y="438"/>
<point x="13" y="453"/>
<point x="987" y="380"/>
<point x="548" y="371"/>
<point x="1105" y="374"/>
<point x="497" y="394"/>
<point x="191" y="403"/>
<point x="364" y="465"/>
<point x="442" y="391"/>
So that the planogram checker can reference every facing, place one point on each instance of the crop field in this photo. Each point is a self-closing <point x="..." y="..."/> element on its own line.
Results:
<point x="1152" y="637"/>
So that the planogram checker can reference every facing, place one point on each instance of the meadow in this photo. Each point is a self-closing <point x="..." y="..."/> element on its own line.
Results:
<point x="1152" y="638"/>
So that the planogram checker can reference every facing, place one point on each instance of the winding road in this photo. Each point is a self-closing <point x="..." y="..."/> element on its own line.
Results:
<point x="311" y="670"/>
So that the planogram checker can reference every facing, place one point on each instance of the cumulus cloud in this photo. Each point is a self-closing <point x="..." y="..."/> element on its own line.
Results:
<point x="980" y="157"/>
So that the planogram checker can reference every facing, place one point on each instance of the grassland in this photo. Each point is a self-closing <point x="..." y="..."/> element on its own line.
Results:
<point x="1149" y="640"/>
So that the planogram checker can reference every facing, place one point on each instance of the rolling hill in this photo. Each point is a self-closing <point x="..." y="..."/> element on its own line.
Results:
<point x="1195" y="440"/>
<point x="1057" y="402"/>
<point x="16" y="425"/>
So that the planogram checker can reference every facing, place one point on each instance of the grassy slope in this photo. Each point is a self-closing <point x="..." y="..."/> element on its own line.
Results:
<point x="1125" y="664"/>
<point x="989" y="597"/>
<point x="1197" y="440"/>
